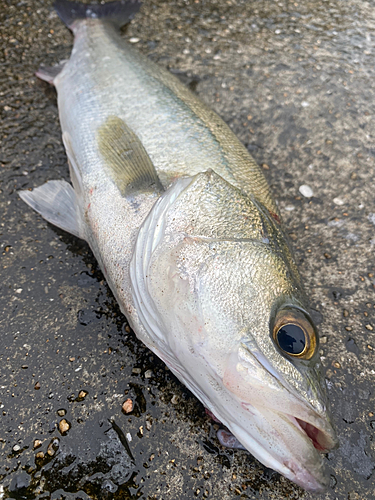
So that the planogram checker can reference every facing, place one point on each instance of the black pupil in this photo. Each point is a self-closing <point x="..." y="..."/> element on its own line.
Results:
<point x="291" y="339"/>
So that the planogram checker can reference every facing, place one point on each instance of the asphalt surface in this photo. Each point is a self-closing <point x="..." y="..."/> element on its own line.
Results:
<point x="295" y="81"/>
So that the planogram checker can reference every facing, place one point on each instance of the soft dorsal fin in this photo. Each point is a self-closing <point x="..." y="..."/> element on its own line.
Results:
<point x="125" y="158"/>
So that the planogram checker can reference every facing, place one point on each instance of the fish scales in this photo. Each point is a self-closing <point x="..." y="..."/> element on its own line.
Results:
<point x="180" y="133"/>
<point x="183" y="225"/>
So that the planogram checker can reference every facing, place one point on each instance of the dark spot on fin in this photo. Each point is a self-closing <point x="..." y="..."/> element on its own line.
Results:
<point x="125" y="158"/>
<point x="49" y="73"/>
<point x="118" y="13"/>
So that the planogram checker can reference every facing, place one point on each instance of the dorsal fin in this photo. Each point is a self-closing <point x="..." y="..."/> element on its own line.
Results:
<point x="125" y="158"/>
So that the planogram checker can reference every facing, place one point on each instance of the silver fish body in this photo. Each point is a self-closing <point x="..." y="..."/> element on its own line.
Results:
<point x="183" y="225"/>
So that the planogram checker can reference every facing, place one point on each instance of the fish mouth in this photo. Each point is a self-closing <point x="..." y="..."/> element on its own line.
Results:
<point x="297" y="445"/>
<point x="322" y="440"/>
<point x="318" y="438"/>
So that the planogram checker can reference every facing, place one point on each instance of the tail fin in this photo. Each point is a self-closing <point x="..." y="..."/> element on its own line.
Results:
<point x="119" y="12"/>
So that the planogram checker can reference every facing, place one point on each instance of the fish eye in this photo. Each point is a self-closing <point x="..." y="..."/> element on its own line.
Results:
<point x="294" y="334"/>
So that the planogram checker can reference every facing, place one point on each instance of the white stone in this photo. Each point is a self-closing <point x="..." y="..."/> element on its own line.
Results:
<point x="338" y="201"/>
<point x="306" y="191"/>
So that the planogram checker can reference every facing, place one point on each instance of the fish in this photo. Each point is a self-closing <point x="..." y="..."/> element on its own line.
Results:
<point x="187" y="233"/>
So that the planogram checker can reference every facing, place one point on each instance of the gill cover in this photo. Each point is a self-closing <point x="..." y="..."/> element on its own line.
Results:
<point x="208" y="267"/>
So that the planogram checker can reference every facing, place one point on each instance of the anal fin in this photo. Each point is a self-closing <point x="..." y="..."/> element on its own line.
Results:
<point x="57" y="202"/>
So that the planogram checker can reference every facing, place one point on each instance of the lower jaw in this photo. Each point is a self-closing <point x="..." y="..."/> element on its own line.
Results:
<point x="305" y="479"/>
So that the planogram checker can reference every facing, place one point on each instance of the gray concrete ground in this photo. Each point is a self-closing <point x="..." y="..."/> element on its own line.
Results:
<point x="294" y="80"/>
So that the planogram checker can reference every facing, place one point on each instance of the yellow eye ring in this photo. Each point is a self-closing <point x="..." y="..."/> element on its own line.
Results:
<point x="294" y="334"/>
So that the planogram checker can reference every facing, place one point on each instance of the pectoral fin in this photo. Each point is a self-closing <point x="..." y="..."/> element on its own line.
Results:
<point x="125" y="158"/>
<point x="57" y="202"/>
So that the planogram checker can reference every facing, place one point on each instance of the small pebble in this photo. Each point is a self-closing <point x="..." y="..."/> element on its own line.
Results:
<point x="148" y="425"/>
<point x="52" y="447"/>
<point x="71" y="359"/>
<point x="37" y="444"/>
<point x="16" y="447"/>
<point x="353" y="495"/>
<point x="39" y="455"/>
<point x="323" y="340"/>
<point x="37" y="386"/>
<point x="127" y="406"/>
<point x="133" y="40"/>
<point x="306" y="191"/>
<point x="369" y="327"/>
<point x="338" y="201"/>
<point x="81" y="395"/>
<point x="128" y="436"/>
<point x="137" y="371"/>
<point x="141" y="430"/>
<point x="174" y="400"/>
<point x="336" y="364"/>
<point x="148" y="374"/>
<point x="64" y="426"/>
<point x="61" y="413"/>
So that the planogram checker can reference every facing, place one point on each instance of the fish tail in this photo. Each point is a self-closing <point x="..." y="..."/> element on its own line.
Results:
<point x="118" y="13"/>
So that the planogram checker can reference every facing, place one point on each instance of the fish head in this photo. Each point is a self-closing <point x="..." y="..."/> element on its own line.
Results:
<point x="218" y="292"/>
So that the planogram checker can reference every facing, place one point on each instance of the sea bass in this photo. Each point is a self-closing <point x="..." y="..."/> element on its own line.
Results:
<point x="189" y="238"/>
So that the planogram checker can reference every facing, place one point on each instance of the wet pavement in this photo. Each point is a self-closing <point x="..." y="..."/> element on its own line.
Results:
<point x="295" y="81"/>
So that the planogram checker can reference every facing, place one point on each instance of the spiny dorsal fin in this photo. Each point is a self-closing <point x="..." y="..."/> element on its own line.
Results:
<point x="125" y="158"/>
